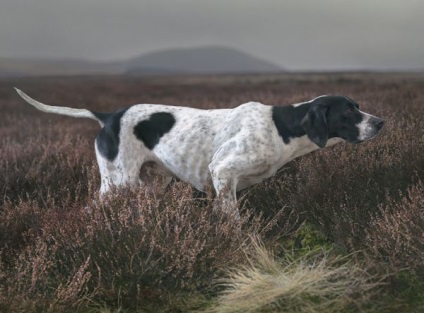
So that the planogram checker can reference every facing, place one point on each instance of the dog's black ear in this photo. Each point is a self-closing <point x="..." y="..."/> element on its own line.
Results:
<point x="315" y="124"/>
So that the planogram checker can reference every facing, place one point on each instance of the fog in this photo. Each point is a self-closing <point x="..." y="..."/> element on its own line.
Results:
<point x="297" y="35"/>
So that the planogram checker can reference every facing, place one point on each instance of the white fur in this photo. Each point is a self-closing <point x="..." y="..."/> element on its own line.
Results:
<point x="78" y="113"/>
<point x="366" y="131"/>
<point x="300" y="103"/>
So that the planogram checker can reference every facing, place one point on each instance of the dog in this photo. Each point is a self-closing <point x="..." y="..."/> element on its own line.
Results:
<point x="232" y="148"/>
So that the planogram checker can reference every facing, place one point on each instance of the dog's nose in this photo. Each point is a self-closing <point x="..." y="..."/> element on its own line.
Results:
<point x="379" y="123"/>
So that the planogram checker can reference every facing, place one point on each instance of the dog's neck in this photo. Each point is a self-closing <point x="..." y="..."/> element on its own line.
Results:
<point x="288" y="120"/>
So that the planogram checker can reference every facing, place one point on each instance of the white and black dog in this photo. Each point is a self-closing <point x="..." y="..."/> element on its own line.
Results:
<point x="233" y="148"/>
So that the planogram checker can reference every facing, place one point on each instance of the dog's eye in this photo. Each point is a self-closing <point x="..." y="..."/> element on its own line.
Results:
<point x="349" y="110"/>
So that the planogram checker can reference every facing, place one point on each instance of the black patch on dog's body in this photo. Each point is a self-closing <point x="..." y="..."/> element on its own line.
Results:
<point x="287" y="121"/>
<point x="107" y="140"/>
<point x="150" y="131"/>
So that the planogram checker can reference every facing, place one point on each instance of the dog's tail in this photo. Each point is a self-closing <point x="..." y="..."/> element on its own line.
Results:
<point x="79" y="113"/>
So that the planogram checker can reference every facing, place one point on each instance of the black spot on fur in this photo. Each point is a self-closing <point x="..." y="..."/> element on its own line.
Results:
<point x="150" y="131"/>
<point x="287" y="120"/>
<point x="107" y="140"/>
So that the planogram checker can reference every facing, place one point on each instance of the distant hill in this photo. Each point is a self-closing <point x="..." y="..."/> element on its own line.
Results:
<point x="202" y="60"/>
<point x="198" y="61"/>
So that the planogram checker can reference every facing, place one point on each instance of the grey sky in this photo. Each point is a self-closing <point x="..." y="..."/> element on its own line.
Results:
<point x="296" y="34"/>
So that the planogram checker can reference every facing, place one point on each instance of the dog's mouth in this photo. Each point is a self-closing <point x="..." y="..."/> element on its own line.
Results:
<point x="365" y="137"/>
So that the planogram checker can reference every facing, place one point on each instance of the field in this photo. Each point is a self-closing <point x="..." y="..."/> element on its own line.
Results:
<point x="338" y="230"/>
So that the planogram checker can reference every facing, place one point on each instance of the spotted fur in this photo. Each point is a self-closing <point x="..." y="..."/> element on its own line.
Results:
<point x="233" y="148"/>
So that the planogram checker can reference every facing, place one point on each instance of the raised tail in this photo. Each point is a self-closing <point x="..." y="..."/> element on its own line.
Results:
<point x="79" y="113"/>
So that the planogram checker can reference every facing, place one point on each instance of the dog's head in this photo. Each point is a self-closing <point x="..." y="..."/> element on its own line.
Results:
<point x="339" y="117"/>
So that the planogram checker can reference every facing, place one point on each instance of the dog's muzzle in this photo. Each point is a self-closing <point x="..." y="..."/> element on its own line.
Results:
<point x="370" y="128"/>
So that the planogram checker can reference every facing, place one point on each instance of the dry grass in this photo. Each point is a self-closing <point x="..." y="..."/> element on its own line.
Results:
<point x="315" y="282"/>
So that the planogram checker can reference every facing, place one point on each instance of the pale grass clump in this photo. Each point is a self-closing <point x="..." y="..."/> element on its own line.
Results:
<point x="316" y="282"/>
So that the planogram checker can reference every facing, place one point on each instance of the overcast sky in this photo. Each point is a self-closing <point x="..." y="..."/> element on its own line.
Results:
<point x="296" y="34"/>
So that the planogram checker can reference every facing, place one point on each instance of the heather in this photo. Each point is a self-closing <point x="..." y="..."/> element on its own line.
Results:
<point x="338" y="230"/>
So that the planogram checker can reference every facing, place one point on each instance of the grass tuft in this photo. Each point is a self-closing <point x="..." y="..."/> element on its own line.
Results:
<point x="314" y="282"/>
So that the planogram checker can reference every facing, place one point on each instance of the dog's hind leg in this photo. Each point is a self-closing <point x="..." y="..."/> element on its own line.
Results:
<point x="156" y="177"/>
<point x="119" y="172"/>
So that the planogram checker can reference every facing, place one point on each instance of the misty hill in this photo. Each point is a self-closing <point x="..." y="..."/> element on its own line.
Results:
<point x="202" y="60"/>
<point x="199" y="60"/>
